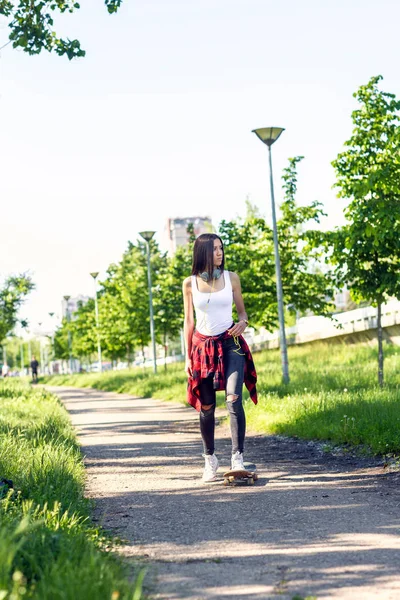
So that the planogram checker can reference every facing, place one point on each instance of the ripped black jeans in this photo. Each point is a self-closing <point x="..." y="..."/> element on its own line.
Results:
<point x="234" y="374"/>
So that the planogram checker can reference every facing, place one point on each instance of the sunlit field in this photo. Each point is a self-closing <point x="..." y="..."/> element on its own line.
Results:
<point x="332" y="395"/>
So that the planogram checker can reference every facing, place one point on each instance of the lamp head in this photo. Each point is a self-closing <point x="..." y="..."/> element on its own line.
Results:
<point x="66" y="298"/>
<point x="268" y="135"/>
<point x="147" y="235"/>
<point x="94" y="274"/>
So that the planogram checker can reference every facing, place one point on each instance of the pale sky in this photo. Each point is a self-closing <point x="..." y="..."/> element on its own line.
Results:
<point x="156" y="121"/>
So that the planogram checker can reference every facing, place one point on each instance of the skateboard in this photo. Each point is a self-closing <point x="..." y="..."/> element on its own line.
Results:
<point x="248" y="475"/>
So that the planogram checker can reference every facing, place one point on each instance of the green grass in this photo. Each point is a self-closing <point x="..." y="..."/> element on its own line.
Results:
<point x="333" y="393"/>
<point x="49" y="549"/>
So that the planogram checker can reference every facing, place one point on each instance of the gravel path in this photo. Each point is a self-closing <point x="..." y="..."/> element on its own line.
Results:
<point x="314" y="525"/>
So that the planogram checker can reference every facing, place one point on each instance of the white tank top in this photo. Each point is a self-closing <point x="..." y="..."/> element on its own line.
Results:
<point x="213" y="310"/>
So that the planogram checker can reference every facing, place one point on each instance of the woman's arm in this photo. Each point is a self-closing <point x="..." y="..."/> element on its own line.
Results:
<point x="188" y="323"/>
<point x="241" y="325"/>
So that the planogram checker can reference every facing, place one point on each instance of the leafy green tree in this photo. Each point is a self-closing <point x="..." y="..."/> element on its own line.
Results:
<point x="168" y="303"/>
<point x="84" y="332"/>
<point x="302" y="251"/>
<point x="124" y="305"/>
<point x="61" y="347"/>
<point x="366" y="250"/>
<point x="117" y="339"/>
<point x="250" y="251"/>
<point x="31" y="25"/>
<point x="124" y="318"/>
<point x="13" y="347"/>
<point x="12" y="295"/>
<point x="17" y="346"/>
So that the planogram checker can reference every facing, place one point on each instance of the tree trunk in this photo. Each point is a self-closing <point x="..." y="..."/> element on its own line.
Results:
<point x="380" y="345"/>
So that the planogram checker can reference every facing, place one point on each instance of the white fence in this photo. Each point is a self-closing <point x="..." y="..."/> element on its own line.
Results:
<point x="351" y="326"/>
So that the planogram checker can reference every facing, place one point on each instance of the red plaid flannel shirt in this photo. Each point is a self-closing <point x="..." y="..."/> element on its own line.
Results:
<point x="207" y="360"/>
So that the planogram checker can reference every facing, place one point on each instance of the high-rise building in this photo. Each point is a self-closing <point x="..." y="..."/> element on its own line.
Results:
<point x="176" y="231"/>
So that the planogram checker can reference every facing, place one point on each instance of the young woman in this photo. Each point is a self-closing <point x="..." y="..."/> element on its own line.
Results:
<point x="217" y="356"/>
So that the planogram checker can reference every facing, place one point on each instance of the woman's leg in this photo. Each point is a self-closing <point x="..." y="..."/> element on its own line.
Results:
<point x="207" y="415"/>
<point x="234" y="374"/>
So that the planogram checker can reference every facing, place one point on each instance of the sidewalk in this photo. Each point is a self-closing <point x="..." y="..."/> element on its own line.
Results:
<point x="313" y="525"/>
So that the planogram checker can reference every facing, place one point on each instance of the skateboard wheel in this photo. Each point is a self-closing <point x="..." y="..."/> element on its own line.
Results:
<point x="250" y="481"/>
<point x="226" y="481"/>
<point x="255" y="477"/>
<point x="231" y="479"/>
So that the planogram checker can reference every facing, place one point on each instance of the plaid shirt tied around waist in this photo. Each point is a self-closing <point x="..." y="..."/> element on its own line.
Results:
<point x="208" y="360"/>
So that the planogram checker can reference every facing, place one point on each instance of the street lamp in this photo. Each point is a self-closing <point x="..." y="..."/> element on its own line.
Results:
<point x="41" y="348"/>
<point x="147" y="236"/>
<point x="21" y="353"/>
<point x="29" y="348"/>
<point x="96" y="308"/>
<point x="51" y="315"/>
<point x="66" y="298"/>
<point x="269" y="135"/>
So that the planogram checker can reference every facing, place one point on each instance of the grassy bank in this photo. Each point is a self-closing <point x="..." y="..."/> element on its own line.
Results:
<point x="49" y="550"/>
<point x="333" y="393"/>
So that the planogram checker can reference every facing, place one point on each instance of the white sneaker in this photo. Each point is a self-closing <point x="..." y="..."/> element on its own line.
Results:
<point x="210" y="467"/>
<point x="237" y="462"/>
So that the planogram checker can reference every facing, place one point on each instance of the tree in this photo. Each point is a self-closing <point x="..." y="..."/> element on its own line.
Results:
<point x="124" y="320"/>
<point x="31" y="23"/>
<point x="168" y="301"/>
<point x="12" y="295"/>
<point x="302" y="250"/>
<point x="83" y="330"/>
<point x="61" y="346"/>
<point x="366" y="250"/>
<point x="250" y="251"/>
<point x="115" y="336"/>
<point x="17" y="348"/>
<point x="124" y="305"/>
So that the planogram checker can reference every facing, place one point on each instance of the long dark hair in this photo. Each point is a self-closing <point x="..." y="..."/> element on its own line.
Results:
<point x="203" y="254"/>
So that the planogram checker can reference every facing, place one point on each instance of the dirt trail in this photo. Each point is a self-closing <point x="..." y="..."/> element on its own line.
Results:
<point x="313" y="525"/>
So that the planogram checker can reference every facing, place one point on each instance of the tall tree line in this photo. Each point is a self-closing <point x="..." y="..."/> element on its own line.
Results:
<point x="364" y="253"/>
<point x="124" y="296"/>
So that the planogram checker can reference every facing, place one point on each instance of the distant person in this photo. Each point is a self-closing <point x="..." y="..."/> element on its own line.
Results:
<point x="5" y="369"/>
<point x="34" y="369"/>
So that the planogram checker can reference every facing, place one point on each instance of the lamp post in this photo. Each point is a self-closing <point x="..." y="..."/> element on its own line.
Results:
<point x="21" y="352"/>
<point x="96" y="308"/>
<point x="41" y="349"/>
<point x="29" y="350"/>
<point x="51" y="315"/>
<point x="147" y="236"/>
<point x="66" y="298"/>
<point x="269" y="135"/>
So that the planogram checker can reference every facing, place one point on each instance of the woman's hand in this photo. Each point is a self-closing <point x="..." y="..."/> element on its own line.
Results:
<point x="237" y="328"/>
<point x="189" y="367"/>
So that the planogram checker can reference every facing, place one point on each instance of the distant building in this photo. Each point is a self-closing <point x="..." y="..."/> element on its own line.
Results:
<point x="176" y="231"/>
<point x="72" y="304"/>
